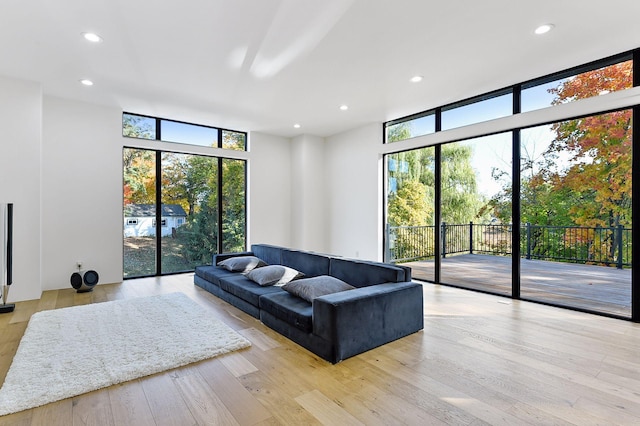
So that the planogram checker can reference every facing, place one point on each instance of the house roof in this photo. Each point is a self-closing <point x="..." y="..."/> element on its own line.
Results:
<point x="149" y="210"/>
<point x="265" y="65"/>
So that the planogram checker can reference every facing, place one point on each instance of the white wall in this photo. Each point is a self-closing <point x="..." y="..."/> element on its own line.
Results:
<point x="308" y="194"/>
<point x="81" y="191"/>
<point x="354" y="181"/>
<point x="269" y="190"/>
<point x="61" y="166"/>
<point x="20" y="142"/>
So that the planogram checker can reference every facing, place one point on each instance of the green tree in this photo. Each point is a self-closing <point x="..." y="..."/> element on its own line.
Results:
<point x="187" y="179"/>
<point x="201" y="231"/>
<point x="408" y="206"/>
<point x="461" y="202"/>
<point x="135" y="126"/>
<point x="233" y="140"/>
<point x="411" y="173"/>
<point x="233" y="205"/>
<point x="399" y="132"/>
<point x="410" y="201"/>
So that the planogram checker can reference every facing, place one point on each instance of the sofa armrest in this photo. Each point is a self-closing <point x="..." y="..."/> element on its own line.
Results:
<point x="223" y="256"/>
<point x="367" y="317"/>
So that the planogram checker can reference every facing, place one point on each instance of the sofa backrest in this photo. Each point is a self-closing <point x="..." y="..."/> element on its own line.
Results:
<point x="358" y="273"/>
<point x="270" y="254"/>
<point x="310" y="264"/>
<point x="362" y="273"/>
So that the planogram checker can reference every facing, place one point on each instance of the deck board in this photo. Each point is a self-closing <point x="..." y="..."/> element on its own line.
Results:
<point x="596" y="288"/>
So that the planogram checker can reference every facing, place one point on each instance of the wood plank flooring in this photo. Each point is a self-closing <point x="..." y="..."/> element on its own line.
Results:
<point x="481" y="360"/>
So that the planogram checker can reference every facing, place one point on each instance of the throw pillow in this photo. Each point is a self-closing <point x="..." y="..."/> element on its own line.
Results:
<point x="273" y="275"/>
<point x="241" y="263"/>
<point x="310" y="288"/>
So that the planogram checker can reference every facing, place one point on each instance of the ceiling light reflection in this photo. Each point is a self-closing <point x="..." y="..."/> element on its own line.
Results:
<point x="543" y="29"/>
<point x="92" y="37"/>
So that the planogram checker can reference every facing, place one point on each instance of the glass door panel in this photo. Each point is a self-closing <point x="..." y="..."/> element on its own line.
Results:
<point x="139" y="198"/>
<point x="576" y="213"/>
<point x="410" y="237"/>
<point x="475" y="231"/>
<point x="233" y="205"/>
<point x="189" y="225"/>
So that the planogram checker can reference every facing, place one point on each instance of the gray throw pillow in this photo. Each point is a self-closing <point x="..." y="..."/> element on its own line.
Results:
<point x="273" y="275"/>
<point x="310" y="288"/>
<point x="241" y="263"/>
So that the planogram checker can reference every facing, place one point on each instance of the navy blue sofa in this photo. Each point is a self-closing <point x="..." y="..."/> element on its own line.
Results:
<point x="384" y="306"/>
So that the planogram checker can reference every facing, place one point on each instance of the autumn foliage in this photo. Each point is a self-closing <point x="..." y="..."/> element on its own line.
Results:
<point x="594" y="189"/>
<point x="600" y="151"/>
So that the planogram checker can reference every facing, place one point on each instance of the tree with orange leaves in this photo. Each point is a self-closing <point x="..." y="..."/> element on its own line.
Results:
<point x="599" y="148"/>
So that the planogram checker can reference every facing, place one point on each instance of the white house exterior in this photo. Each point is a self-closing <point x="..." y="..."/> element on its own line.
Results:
<point x="140" y="219"/>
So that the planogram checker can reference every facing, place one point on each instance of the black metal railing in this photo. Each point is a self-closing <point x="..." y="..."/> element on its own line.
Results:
<point x="574" y="244"/>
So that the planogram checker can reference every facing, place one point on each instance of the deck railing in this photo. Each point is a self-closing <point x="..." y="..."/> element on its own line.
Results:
<point x="574" y="244"/>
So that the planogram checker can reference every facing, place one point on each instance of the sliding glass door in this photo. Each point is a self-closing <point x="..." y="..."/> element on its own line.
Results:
<point x="179" y="210"/>
<point x="476" y="225"/>
<point x="539" y="211"/>
<point x="576" y="213"/>
<point x="410" y="231"/>
<point x="189" y="222"/>
<point x="139" y="197"/>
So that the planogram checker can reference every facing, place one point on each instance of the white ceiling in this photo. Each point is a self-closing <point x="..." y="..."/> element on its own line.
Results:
<point x="263" y="65"/>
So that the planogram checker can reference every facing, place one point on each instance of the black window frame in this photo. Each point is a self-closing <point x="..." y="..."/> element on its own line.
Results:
<point x="158" y="131"/>
<point x="516" y="90"/>
<point x="158" y="202"/>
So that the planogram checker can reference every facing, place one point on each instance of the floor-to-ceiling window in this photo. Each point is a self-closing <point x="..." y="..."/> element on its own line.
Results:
<point x="410" y="210"/>
<point x="180" y="208"/>
<point x="476" y="226"/>
<point x="189" y="222"/>
<point x="575" y="215"/>
<point x="541" y="211"/>
<point x="139" y="198"/>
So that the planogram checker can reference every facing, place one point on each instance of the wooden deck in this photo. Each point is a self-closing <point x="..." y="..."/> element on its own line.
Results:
<point x="596" y="288"/>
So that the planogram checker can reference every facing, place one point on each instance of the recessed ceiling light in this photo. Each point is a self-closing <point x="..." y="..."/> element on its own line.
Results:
<point x="344" y="107"/>
<point x="86" y="82"/>
<point x="92" y="37"/>
<point x="543" y="29"/>
<point x="297" y="126"/>
<point x="416" y="79"/>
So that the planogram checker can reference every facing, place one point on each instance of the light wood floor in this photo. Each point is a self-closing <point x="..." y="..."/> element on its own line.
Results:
<point x="481" y="359"/>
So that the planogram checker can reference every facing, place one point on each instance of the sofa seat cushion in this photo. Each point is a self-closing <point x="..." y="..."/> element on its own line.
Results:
<point x="214" y="273"/>
<point x="245" y="289"/>
<point x="290" y="309"/>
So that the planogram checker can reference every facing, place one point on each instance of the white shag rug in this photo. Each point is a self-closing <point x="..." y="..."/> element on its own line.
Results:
<point x="70" y="351"/>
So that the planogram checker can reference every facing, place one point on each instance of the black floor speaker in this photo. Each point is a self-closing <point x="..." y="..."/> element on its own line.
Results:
<point x="84" y="281"/>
